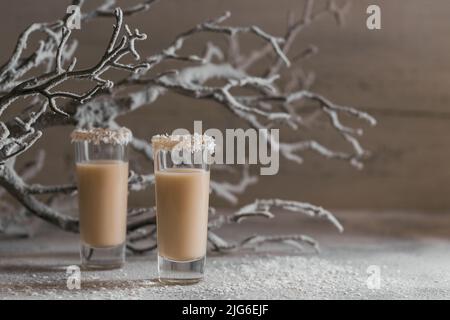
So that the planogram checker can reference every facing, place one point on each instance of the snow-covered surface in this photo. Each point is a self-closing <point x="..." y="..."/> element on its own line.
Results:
<point x="413" y="265"/>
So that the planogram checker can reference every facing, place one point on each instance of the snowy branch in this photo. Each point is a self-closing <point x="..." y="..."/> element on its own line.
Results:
<point x="273" y="98"/>
<point x="267" y="208"/>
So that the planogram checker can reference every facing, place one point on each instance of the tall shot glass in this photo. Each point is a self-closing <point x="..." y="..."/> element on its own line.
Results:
<point x="182" y="199"/>
<point x="102" y="178"/>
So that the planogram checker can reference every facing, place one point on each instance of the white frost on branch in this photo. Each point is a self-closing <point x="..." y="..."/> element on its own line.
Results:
<point x="265" y="208"/>
<point x="230" y="191"/>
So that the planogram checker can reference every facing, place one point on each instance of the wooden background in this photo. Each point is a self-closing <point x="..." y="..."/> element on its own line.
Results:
<point x="401" y="74"/>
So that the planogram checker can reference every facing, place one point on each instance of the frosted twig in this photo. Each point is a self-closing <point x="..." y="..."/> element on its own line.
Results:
<point x="43" y="84"/>
<point x="294" y="28"/>
<point x="107" y="9"/>
<point x="294" y="240"/>
<point x="264" y="207"/>
<point x="229" y="191"/>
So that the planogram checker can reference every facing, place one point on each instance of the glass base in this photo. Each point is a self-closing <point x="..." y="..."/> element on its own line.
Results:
<point x="102" y="258"/>
<point x="180" y="272"/>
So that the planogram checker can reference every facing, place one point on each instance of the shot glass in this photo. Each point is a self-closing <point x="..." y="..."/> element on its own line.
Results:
<point x="102" y="179"/>
<point x="182" y="198"/>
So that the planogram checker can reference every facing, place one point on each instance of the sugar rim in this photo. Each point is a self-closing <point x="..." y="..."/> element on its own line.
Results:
<point x="121" y="136"/>
<point x="189" y="142"/>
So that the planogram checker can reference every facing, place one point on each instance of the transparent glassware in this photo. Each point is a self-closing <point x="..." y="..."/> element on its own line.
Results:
<point x="102" y="178"/>
<point x="182" y="200"/>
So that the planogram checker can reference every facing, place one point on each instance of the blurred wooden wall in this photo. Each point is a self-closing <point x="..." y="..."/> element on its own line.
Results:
<point x="401" y="74"/>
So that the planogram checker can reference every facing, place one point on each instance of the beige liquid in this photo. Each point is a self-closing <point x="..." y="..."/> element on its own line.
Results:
<point x="182" y="197"/>
<point x="103" y="193"/>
